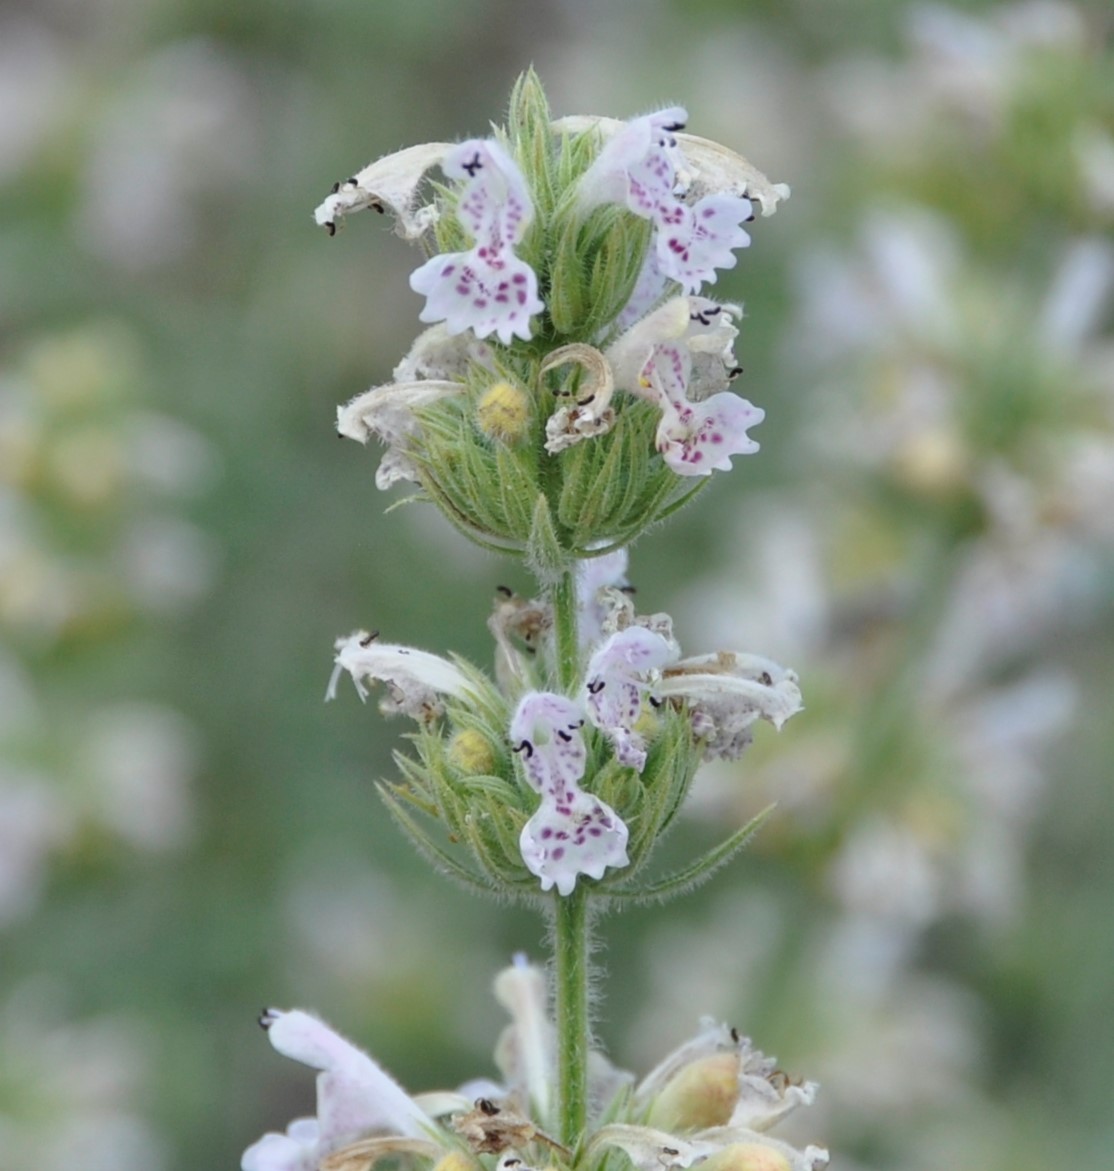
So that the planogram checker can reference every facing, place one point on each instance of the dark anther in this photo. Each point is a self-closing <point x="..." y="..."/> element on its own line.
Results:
<point x="734" y="1034"/>
<point x="474" y="166"/>
<point x="351" y="180"/>
<point x="578" y="724"/>
<point x="330" y="227"/>
<point x="525" y="746"/>
<point x="583" y="402"/>
<point x="734" y="372"/>
<point x="368" y="639"/>
<point x="378" y="207"/>
<point x="765" y="679"/>
<point x="335" y="188"/>
<point x="487" y="1106"/>
<point x="265" y="1019"/>
<point x="655" y="703"/>
<point x="506" y="591"/>
<point x="629" y="590"/>
<point x="670" y="1151"/>
<point x="595" y="687"/>
<point x="673" y="127"/>
<point x="561" y="735"/>
<point x="749" y="219"/>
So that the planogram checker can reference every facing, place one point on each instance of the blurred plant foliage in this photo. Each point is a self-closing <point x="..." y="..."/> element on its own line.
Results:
<point x="185" y="831"/>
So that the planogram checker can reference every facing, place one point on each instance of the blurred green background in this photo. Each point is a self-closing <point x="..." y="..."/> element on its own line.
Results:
<point x="187" y="832"/>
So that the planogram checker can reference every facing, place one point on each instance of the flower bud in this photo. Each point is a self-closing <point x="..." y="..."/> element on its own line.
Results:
<point x="702" y="1094"/>
<point x="747" y="1157"/>
<point x="503" y="413"/>
<point x="470" y="752"/>
<point x="456" y="1161"/>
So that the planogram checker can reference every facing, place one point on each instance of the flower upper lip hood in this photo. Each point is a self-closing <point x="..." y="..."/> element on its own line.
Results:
<point x="388" y="184"/>
<point x="711" y="167"/>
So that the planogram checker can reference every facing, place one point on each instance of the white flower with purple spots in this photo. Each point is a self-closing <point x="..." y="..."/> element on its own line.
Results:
<point x="691" y="242"/>
<point x="643" y="167"/>
<point x="698" y="438"/>
<point x="487" y="289"/>
<point x="620" y="674"/>
<point x="573" y="832"/>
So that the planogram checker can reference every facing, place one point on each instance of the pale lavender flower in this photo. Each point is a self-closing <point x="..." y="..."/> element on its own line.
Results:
<point x="698" y="438"/>
<point x="640" y="166"/>
<point x="487" y="289"/>
<point x="619" y="675"/>
<point x="355" y="1098"/>
<point x="594" y="576"/>
<point x="573" y="832"/>
<point x="693" y="241"/>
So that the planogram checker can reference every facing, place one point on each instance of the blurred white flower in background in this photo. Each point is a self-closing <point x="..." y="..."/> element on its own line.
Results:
<point x="80" y="1085"/>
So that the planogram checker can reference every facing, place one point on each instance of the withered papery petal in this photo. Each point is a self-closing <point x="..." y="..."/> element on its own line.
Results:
<point x="714" y="169"/>
<point x="415" y="679"/>
<point x="388" y="184"/>
<point x="388" y="413"/>
<point x="647" y="1148"/>
<point x="591" y="413"/>
<point x="728" y="692"/>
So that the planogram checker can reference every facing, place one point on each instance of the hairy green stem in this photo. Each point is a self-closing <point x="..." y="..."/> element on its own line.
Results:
<point x="566" y="644"/>
<point x="570" y="923"/>
<point x="570" y="941"/>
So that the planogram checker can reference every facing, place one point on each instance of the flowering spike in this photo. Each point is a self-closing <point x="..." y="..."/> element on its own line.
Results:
<point x="572" y="833"/>
<point x="486" y="289"/>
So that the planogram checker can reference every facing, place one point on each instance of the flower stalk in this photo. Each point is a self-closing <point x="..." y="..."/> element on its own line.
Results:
<point x="570" y="391"/>
<point x="571" y="945"/>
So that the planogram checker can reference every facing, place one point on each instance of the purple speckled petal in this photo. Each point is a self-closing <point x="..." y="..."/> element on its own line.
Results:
<point x="487" y="288"/>
<point x="489" y="291"/>
<point x="494" y="204"/>
<point x="637" y="166"/>
<point x="697" y="439"/>
<point x="617" y="679"/>
<point x="563" y="841"/>
<point x="692" y="242"/>
<point x="571" y="832"/>
<point x="545" y="732"/>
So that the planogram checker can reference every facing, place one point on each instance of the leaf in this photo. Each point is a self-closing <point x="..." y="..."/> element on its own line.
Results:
<point x="696" y="873"/>
<point x="431" y="850"/>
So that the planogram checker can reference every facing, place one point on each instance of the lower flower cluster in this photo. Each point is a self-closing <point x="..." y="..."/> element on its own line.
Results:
<point x="711" y="1103"/>
<point x="549" y="787"/>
